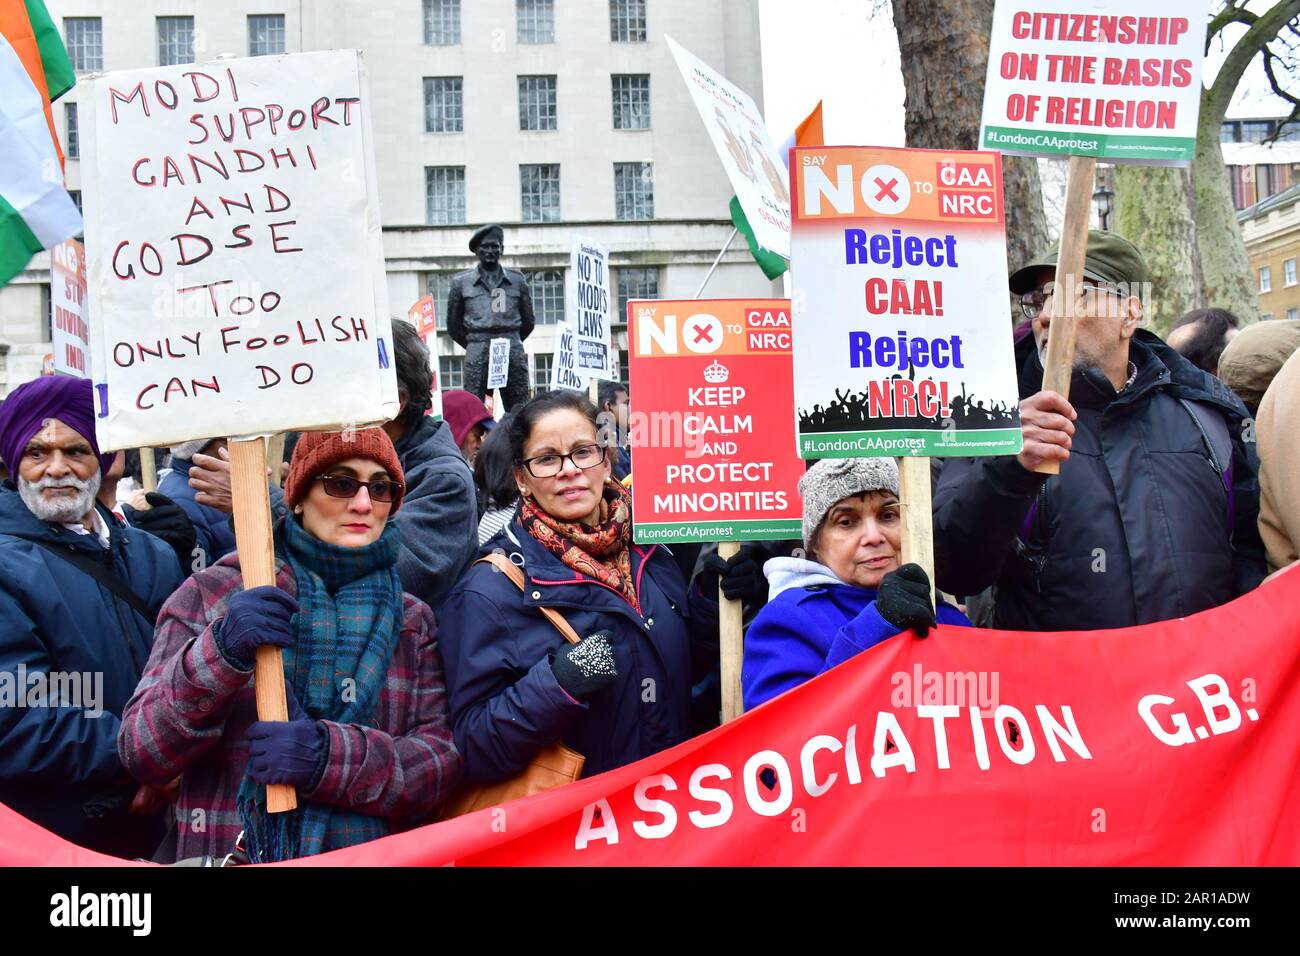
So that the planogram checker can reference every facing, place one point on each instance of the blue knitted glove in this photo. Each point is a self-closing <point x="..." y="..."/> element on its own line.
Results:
<point x="255" y="617"/>
<point x="285" y="751"/>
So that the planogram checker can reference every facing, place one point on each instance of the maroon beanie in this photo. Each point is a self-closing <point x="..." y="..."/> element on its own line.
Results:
<point x="462" y="411"/>
<point x="317" y="452"/>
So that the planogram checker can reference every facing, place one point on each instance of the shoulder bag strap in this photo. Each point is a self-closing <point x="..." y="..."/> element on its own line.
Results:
<point x="516" y="574"/>
<point x="105" y="576"/>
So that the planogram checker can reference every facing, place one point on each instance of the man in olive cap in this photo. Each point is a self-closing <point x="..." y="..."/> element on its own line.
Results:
<point x="491" y="302"/>
<point x="1153" y="513"/>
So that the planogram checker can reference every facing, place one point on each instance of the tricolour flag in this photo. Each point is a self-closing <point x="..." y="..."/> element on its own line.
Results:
<point x="36" y="211"/>
<point x="807" y="133"/>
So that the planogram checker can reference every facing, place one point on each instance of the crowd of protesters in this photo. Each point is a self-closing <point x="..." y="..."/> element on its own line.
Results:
<point x="413" y="669"/>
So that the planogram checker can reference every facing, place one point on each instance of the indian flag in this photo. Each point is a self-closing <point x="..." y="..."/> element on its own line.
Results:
<point x="36" y="211"/>
<point x="807" y="133"/>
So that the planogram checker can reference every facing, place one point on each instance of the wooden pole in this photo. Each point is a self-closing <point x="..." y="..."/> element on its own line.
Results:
<point x="275" y="456"/>
<point x="721" y="252"/>
<point x="252" y="506"/>
<point x="918" y="522"/>
<point x="731" y="633"/>
<point x="148" y="470"/>
<point x="1069" y="270"/>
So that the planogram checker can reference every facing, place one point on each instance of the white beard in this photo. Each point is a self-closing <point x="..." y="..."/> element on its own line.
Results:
<point x="61" y="510"/>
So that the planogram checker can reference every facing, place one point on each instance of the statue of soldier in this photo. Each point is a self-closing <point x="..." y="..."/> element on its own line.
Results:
<point x="491" y="302"/>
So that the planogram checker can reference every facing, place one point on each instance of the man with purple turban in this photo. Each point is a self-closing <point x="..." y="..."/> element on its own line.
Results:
<point x="79" y="592"/>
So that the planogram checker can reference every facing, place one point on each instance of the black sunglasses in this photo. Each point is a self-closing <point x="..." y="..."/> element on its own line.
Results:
<point x="345" y="486"/>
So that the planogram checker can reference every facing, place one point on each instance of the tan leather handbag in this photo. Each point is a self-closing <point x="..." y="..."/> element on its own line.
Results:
<point x="553" y="767"/>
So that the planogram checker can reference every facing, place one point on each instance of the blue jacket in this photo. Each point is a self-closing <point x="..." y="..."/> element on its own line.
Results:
<point x="505" y="702"/>
<point x="211" y="527"/>
<point x="59" y="766"/>
<point x="812" y="621"/>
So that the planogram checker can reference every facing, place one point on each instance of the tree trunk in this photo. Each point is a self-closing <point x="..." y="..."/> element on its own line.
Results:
<point x="944" y="49"/>
<point x="1154" y="211"/>
<point x="1229" y="281"/>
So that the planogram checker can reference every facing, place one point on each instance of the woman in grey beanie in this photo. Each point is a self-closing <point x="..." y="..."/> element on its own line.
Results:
<point x="848" y="593"/>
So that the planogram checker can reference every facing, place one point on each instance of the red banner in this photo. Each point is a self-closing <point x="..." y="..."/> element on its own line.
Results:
<point x="1169" y="744"/>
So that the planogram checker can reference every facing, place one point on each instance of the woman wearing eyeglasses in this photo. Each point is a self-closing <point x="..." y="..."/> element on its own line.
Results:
<point x="515" y="685"/>
<point x="368" y="744"/>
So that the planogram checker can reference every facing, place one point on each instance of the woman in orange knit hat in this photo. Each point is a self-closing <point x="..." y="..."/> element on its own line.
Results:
<point x="367" y="744"/>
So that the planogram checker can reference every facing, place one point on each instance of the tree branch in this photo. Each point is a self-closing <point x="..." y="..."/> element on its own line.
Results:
<point x="1229" y="14"/>
<point x="1265" y="28"/>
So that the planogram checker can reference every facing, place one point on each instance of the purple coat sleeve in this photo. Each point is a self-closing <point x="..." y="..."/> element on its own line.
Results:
<point x="397" y="775"/>
<point x="178" y="712"/>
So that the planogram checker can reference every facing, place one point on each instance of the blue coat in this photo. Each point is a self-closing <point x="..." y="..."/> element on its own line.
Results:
<point x="58" y="766"/>
<point x="813" y="622"/>
<point x="505" y="702"/>
<point x="211" y="527"/>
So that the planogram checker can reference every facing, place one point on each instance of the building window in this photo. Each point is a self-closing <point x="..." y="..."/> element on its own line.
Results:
<point x="266" y="34"/>
<point x="1227" y="132"/>
<point x="631" y="95"/>
<point x="73" y="148"/>
<point x="76" y="198"/>
<point x="444" y="195"/>
<point x="627" y="21"/>
<point x="547" y="289"/>
<point x="539" y="192"/>
<point x="542" y="372"/>
<point x="442" y="22"/>
<point x="537" y="102"/>
<point x="1292" y="314"/>
<point x="84" y="37"/>
<point x="1288" y="272"/>
<point x="622" y="366"/>
<point x="438" y="285"/>
<point x="1266" y="317"/>
<point x="1254" y="131"/>
<point x="451" y="371"/>
<point x="1265" y="279"/>
<point x="634" y="190"/>
<point x="444" y="110"/>
<point x="175" y="40"/>
<point x="536" y="19"/>
<point x="635" y="284"/>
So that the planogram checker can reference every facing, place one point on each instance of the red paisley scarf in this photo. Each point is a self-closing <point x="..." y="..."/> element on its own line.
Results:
<point x="601" y="552"/>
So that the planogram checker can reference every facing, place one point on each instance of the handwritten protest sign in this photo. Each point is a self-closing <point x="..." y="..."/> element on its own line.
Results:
<point x="589" y="299"/>
<point x="1110" y="79"/>
<point x="498" y="363"/>
<point x="735" y="125"/>
<point x="712" y="432"/>
<point x="69" y="334"/>
<point x="233" y="244"/>
<point x="901" y="340"/>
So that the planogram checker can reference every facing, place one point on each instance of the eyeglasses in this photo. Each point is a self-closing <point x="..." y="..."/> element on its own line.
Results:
<point x="548" y="466"/>
<point x="1031" y="303"/>
<point x="345" y="486"/>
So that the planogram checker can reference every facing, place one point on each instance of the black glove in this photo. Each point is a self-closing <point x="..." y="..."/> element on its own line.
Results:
<point x="904" y="599"/>
<point x="586" y="668"/>
<point x="165" y="519"/>
<point x="740" y="576"/>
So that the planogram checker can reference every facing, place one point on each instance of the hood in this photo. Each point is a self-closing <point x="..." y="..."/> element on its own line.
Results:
<point x="425" y="441"/>
<point x="783" y="574"/>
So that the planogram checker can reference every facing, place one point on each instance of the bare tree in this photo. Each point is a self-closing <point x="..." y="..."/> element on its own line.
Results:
<point x="944" y="49"/>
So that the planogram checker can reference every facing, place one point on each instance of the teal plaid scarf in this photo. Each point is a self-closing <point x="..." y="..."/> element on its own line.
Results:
<point x="349" y="619"/>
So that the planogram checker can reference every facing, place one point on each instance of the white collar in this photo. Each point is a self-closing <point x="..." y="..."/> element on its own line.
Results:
<point x="100" y="528"/>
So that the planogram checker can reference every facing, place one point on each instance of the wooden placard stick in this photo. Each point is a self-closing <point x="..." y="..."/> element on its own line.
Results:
<point x="252" y="506"/>
<point x="918" y="521"/>
<point x="275" y="456"/>
<point x="148" y="475"/>
<point x="1069" y="272"/>
<point x="731" y="635"/>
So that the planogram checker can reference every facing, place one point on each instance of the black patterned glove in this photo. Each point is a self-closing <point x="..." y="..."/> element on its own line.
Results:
<point x="904" y="599"/>
<point x="586" y="668"/>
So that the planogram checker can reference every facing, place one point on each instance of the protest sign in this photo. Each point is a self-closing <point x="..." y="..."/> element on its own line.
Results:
<point x="1156" y="745"/>
<point x="735" y="125"/>
<point x="236" y="273"/>
<point x="498" y="363"/>
<point x="69" y="335"/>
<point x="233" y="246"/>
<point x="902" y="345"/>
<point x="712" y="433"/>
<point x="1110" y="79"/>
<point x="564" y="371"/>
<point x="590" y="301"/>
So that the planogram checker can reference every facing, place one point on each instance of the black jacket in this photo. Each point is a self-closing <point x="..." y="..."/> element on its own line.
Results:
<point x="1140" y="524"/>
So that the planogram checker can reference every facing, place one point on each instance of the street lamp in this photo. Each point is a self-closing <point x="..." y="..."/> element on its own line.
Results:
<point x="1104" y="199"/>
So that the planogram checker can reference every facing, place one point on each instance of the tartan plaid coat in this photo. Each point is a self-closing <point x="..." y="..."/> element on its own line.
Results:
<point x="189" y="714"/>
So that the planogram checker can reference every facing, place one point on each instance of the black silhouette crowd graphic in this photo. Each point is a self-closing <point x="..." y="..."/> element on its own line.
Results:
<point x="849" y="412"/>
